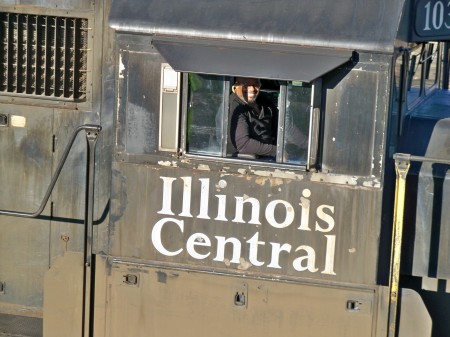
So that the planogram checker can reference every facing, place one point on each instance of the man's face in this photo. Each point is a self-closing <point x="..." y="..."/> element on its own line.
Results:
<point x="248" y="89"/>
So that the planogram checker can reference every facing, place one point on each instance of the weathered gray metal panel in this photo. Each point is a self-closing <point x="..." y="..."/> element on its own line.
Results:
<point x="63" y="296"/>
<point x="63" y="303"/>
<point x="72" y="4"/>
<point x="328" y="232"/>
<point x="171" y="302"/>
<point x="343" y="24"/>
<point x="415" y="321"/>
<point x="67" y="230"/>
<point x="355" y="119"/>
<point x="139" y="108"/>
<point x="29" y="156"/>
<point x="104" y="110"/>
<point x="432" y="226"/>
<point x="25" y="161"/>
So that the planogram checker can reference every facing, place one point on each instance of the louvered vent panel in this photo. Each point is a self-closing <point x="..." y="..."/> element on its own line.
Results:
<point x="43" y="55"/>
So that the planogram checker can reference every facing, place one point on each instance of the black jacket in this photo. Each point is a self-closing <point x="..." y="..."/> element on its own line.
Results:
<point x="253" y="127"/>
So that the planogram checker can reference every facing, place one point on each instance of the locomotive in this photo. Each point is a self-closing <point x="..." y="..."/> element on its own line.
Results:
<point x="125" y="212"/>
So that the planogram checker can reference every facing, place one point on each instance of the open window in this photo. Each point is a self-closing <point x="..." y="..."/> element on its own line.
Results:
<point x="188" y="115"/>
<point x="206" y="119"/>
<point x="424" y="63"/>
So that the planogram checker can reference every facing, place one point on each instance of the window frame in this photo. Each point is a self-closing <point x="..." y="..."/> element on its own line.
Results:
<point x="313" y="136"/>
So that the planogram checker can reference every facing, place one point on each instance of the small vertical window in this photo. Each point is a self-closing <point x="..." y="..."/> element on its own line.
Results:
<point x="398" y="94"/>
<point x="423" y="71"/>
<point x="431" y="64"/>
<point x="297" y="122"/>
<point x="169" y="109"/>
<point x="205" y="111"/>
<point x="415" y="75"/>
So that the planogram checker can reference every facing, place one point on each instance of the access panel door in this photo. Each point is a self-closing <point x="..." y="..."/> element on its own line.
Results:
<point x="25" y="173"/>
<point x="160" y="302"/>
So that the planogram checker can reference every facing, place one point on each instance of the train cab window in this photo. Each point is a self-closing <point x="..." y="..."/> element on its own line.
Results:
<point x="431" y="64"/>
<point x="205" y="107"/>
<point x="208" y="119"/>
<point x="423" y="71"/>
<point x="297" y="122"/>
<point x="415" y="75"/>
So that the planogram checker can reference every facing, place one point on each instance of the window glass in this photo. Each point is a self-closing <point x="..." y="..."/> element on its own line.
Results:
<point x="139" y="115"/>
<point x="398" y="77"/>
<point x="205" y="110"/>
<point x="397" y="98"/>
<point x="415" y="75"/>
<point x="226" y="119"/>
<point x="423" y="71"/>
<point x="297" y="122"/>
<point x="431" y="65"/>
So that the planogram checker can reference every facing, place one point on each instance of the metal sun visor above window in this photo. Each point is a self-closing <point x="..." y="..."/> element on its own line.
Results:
<point x="236" y="58"/>
<point x="267" y="61"/>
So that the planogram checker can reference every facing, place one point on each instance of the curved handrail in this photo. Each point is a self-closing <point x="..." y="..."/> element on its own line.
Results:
<point x="91" y="130"/>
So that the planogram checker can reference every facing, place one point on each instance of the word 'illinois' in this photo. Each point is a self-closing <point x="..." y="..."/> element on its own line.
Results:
<point x="303" y="256"/>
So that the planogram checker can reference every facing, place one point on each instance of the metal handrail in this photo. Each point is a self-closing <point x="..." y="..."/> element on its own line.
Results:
<point x="407" y="157"/>
<point x="91" y="130"/>
<point x="402" y="165"/>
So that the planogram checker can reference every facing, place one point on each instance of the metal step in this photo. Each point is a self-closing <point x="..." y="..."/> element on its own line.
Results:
<point x="20" y="326"/>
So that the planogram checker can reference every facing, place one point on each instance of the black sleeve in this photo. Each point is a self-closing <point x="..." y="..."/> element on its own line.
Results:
<point x="240" y="136"/>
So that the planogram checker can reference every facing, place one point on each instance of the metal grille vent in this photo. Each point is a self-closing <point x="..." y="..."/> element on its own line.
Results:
<point x="43" y="55"/>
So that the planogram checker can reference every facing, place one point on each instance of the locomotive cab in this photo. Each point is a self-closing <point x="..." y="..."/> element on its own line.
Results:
<point x="306" y="225"/>
<point x="160" y="225"/>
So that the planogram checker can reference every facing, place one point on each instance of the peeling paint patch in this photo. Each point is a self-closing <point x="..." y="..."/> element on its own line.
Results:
<point x="203" y="167"/>
<point x="242" y="171"/>
<point x="221" y="184"/>
<point x="260" y="181"/>
<point x="167" y="163"/>
<point x="279" y="174"/>
<point x="352" y="250"/>
<point x="372" y="183"/>
<point x="262" y="173"/>
<point x="224" y="171"/>
<point x="336" y="179"/>
<point x="244" y="265"/>
<point x="162" y="277"/>
<point x="121" y="67"/>
<point x="277" y="182"/>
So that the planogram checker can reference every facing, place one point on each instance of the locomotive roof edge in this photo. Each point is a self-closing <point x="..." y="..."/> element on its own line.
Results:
<point x="371" y="25"/>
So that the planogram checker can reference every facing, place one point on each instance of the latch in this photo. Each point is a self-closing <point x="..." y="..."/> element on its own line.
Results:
<point x="131" y="279"/>
<point x="239" y="299"/>
<point x="240" y="295"/>
<point x="353" y="306"/>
